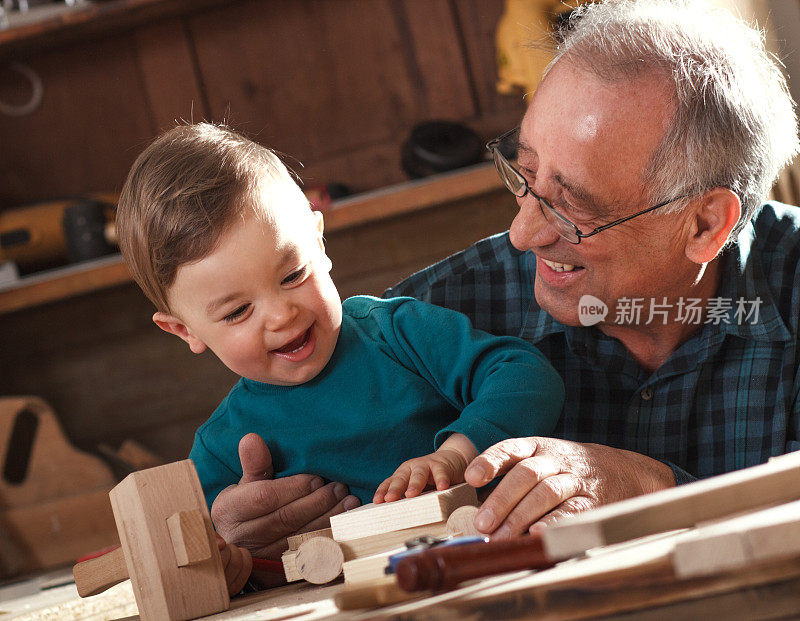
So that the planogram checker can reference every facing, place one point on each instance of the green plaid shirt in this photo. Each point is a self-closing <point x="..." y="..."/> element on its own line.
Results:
<point x="726" y="399"/>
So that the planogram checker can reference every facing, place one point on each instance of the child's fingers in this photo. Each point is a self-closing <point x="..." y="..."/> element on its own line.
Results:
<point x="397" y="487"/>
<point x="441" y="474"/>
<point x="238" y="569"/>
<point x="380" y="493"/>
<point x="224" y="551"/>
<point x="418" y="480"/>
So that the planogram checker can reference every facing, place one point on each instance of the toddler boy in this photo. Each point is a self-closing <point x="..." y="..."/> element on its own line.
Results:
<point x="223" y="242"/>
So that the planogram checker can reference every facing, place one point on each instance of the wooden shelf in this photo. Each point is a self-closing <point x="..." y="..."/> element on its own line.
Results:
<point x="363" y="209"/>
<point x="48" y="26"/>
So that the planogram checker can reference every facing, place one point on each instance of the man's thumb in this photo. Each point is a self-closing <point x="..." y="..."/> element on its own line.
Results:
<point x="256" y="459"/>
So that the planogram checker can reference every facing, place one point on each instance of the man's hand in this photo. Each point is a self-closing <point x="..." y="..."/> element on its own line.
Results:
<point x="259" y="512"/>
<point x="441" y="469"/>
<point x="548" y="479"/>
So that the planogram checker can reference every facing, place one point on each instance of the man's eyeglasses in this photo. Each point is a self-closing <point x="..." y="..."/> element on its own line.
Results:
<point x="518" y="186"/>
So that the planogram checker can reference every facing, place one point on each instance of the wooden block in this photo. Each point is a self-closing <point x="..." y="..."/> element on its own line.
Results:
<point x="98" y="574"/>
<point x="367" y="546"/>
<point x="678" y="507"/>
<point x="142" y="502"/>
<point x="189" y="537"/>
<point x="319" y="560"/>
<point x="740" y="542"/>
<point x="374" y="519"/>
<point x="296" y="540"/>
<point x="289" y="560"/>
<point x="368" y="567"/>
<point x="462" y="522"/>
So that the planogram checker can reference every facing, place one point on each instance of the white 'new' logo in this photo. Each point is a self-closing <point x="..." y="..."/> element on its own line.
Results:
<point x="591" y="310"/>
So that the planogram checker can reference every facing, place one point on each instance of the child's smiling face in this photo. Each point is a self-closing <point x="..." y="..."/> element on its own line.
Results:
<point x="263" y="301"/>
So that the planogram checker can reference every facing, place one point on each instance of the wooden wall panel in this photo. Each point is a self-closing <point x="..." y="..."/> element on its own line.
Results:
<point x="325" y="81"/>
<point x="477" y="21"/>
<point x="167" y="69"/>
<point x="85" y="134"/>
<point x="336" y="84"/>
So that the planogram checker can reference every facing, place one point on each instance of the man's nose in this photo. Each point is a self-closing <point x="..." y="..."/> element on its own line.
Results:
<point x="530" y="229"/>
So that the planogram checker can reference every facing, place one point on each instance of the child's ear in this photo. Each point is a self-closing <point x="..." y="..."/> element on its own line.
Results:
<point x="320" y="229"/>
<point x="173" y="325"/>
<point x="320" y="222"/>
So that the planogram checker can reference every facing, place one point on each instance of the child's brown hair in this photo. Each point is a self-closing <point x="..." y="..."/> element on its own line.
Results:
<point x="181" y="195"/>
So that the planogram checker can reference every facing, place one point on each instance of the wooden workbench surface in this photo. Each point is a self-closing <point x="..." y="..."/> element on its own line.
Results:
<point x="624" y="581"/>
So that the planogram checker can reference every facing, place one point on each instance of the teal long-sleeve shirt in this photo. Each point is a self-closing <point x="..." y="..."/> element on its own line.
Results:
<point x="404" y="376"/>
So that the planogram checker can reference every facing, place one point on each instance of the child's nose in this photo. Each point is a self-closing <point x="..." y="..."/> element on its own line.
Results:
<point x="281" y="316"/>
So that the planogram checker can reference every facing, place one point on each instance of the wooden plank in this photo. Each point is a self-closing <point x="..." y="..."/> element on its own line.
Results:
<point x="367" y="546"/>
<point x="371" y="594"/>
<point x="413" y="196"/>
<point x="756" y="537"/>
<point x="368" y="568"/>
<point x="295" y="541"/>
<point x="678" y="507"/>
<point x="142" y="503"/>
<point x="374" y="519"/>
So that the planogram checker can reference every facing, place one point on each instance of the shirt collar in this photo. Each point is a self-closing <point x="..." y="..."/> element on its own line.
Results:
<point x="743" y="279"/>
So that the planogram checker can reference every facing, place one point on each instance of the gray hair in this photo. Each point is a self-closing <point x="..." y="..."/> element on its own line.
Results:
<point x="734" y="126"/>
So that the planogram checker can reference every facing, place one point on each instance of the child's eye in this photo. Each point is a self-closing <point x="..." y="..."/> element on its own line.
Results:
<point x="233" y="316"/>
<point x="294" y="276"/>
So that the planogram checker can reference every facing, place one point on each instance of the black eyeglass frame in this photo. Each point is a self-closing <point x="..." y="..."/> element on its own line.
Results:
<point x="493" y="146"/>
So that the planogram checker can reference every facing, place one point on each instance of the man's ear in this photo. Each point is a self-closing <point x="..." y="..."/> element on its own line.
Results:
<point x="173" y="325"/>
<point x="713" y="219"/>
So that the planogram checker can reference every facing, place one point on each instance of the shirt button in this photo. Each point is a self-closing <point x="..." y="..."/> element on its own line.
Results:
<point x="647" y="394"/>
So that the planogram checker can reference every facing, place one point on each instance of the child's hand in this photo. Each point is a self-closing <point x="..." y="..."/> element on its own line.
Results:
<point x="237" y="563"/>
<point x="441" y="469"/>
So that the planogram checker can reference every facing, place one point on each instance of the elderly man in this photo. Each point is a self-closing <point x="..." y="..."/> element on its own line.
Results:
<point x="642" y="264"/>
<point x="643" y="160"/>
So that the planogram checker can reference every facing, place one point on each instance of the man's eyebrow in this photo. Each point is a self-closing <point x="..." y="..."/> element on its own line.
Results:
<point x="580" y="193"/>
<point x="577" y="191"/>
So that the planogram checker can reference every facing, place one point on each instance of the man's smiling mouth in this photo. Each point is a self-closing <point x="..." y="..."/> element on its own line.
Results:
<point x="561" y="267"/>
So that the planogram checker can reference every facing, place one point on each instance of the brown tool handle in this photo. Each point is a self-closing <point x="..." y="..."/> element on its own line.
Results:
<point x="445" y="567"/>
<point x="98" y="574"/>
